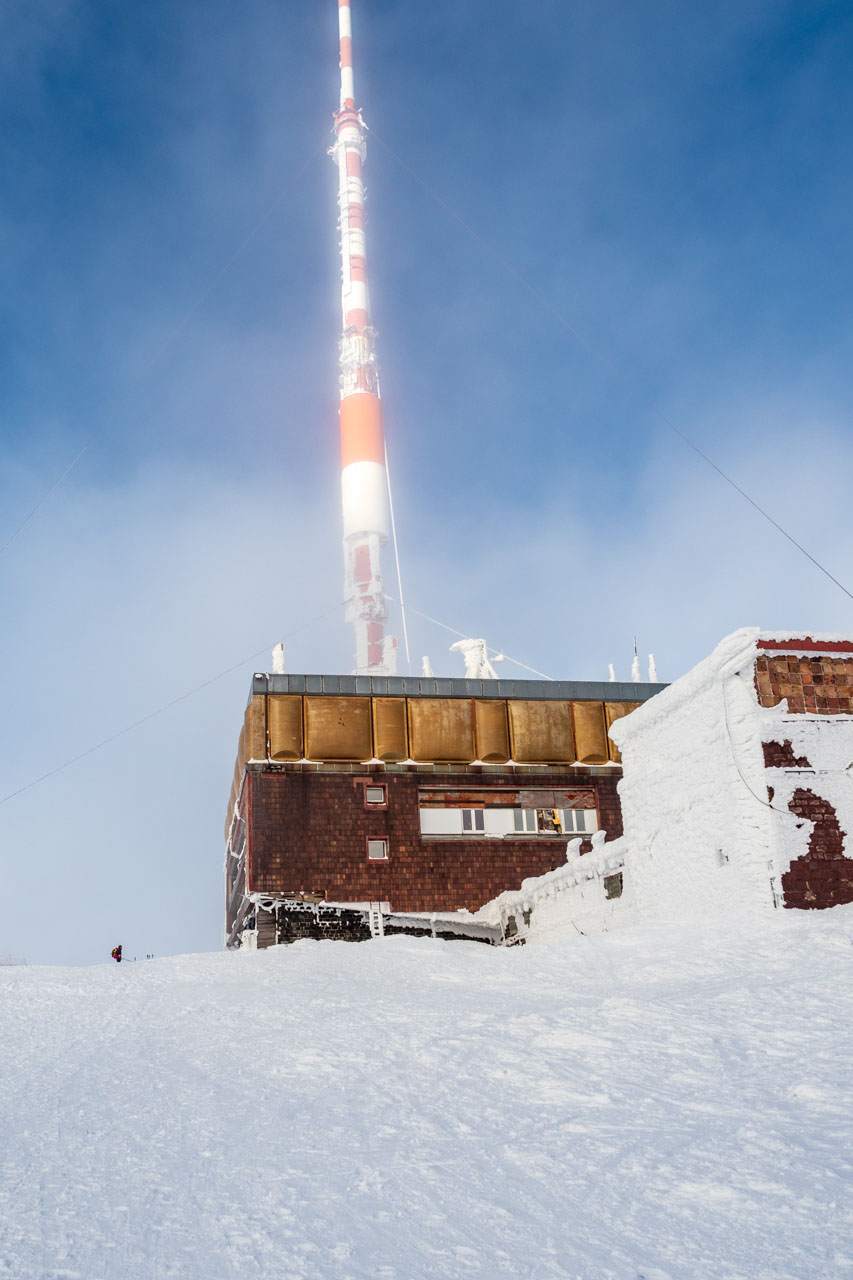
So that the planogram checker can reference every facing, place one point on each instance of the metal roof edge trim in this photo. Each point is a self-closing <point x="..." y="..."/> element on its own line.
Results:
<point x="441" y="687"/>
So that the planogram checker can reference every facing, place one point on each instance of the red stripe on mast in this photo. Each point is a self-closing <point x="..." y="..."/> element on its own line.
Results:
<point x="363" y="476"/>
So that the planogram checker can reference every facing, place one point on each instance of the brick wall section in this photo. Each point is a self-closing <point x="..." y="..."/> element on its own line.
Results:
<point x="295" y="922"/>
<point x="824" y="877"/>
<point x="817" y="683"/>
<point x="308" y="832"/>
<point x="820" y="685"/>
<point x="780" y="755"/>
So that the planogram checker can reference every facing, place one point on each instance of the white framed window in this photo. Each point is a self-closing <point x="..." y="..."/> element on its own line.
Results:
<point x="467" y="822"/>
<point x="375" y="796"/>
<point x="551" y="822"/>
<point x="377" y="850"/>
<point x="524" y="821"/>
<point x="504" y="821"/>
<point x="578" y="821"/>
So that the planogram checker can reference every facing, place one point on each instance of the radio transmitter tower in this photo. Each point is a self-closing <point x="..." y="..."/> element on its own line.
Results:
<point x="364" y="481"/>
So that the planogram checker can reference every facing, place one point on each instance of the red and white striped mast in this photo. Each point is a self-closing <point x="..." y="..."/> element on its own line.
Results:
<point x="364" y="481"/>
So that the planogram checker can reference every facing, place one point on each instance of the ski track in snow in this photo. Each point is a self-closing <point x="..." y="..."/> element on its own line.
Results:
<point x="668" y="1103"/>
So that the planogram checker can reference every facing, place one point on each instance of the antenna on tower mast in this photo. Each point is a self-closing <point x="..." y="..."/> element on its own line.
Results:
<point x="364" y="486"/>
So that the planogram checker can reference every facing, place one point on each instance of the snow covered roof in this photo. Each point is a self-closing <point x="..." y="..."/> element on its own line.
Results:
<point x="733" y="654"/>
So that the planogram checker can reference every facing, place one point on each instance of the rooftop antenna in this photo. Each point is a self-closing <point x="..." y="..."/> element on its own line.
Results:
<point x="635" y="665"/>
<point x="364" y="481"/>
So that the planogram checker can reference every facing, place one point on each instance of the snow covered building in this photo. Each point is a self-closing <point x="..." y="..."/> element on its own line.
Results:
<point x="413" y="794"/>
<point x="737" y="794"/>
<point x="738" y="787"/>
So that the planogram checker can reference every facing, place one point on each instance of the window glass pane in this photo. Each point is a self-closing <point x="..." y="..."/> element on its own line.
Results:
<point x="578" y="820"/>
<point x="377" y="850"/>
<point x="525" y="820"/>
<point x="374" y="795"/>
<point x="549" y="820"/>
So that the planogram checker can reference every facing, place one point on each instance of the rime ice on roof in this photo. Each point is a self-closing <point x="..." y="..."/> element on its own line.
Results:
<point x="736" y="796"/>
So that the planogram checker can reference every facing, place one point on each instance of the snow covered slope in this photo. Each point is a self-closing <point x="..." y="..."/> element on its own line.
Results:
<point x="669" y="1101"/>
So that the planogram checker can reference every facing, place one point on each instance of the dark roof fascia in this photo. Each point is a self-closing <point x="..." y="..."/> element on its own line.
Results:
<point x="438" y="687"/>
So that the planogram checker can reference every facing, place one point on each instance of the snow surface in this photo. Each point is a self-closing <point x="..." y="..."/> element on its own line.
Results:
<point x="671" y="1101"/>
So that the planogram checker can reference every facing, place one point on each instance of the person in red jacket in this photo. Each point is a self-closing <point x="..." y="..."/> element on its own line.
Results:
<point x="116" y="954"/>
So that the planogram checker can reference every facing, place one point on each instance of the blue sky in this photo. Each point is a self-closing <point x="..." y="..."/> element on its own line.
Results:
<point x="673" y="180"/>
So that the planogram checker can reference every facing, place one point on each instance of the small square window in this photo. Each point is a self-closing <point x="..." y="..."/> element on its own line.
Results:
<point x="374" y="795"/>
<point x="377" y="850"/>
